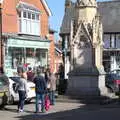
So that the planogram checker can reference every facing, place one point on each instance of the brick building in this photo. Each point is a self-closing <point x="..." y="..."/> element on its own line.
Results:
<point x="55" y="52"/>
<point x="25" y="25"/>
<point x="58" y="55"/>
<point x="52" y="50"/>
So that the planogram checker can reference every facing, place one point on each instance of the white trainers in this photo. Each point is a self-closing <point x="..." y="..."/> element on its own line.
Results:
<point x="20" y="110"/>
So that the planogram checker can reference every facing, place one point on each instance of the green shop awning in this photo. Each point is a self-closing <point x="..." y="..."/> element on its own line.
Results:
<point x="27" y="41"/>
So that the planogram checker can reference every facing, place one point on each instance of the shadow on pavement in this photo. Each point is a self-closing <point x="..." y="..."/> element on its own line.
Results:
<point x="87" y="112"/>
<point x="14" y="110"/>
<point x="91" y="110"/>
<point x="100" y="100"/>
<point x="96" y="111"/>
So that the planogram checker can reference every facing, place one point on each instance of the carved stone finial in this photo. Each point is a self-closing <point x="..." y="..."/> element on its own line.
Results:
<point x="67" y="3"/>
<point x="86" y="3"/>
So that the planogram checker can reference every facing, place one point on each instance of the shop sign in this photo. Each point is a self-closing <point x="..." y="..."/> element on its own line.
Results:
<point x="27" y="43"/>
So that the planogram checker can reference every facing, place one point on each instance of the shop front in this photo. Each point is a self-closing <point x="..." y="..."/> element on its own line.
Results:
<point x="111" y="59"/>
<point x="27" y="52"/>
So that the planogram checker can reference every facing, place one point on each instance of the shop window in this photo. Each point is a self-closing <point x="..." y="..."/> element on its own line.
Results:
<point x="118" y="41"/>
<point x="15" y="57"/>
<point x="29" y="56"/>
<point x="106" y="41"/>
<point x="41" y="55"/>
<point x="113" y="41"/>
<point x="29" y="52"/>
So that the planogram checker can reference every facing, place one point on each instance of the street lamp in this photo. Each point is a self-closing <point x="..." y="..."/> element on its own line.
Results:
<point x="1" y="42"/>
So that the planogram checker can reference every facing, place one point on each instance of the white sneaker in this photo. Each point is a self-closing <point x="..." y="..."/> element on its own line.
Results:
<point x="20" y="110"/>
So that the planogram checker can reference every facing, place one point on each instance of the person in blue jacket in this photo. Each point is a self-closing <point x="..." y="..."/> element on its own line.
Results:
<point x="40" y="89"/>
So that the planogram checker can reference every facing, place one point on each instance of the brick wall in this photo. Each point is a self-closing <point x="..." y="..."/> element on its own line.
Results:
<point x="10" y="22"/>
<point x="52" y="53"/>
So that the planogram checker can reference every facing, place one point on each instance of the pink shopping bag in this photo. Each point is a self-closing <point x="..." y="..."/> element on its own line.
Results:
<point x="47" y="102"/>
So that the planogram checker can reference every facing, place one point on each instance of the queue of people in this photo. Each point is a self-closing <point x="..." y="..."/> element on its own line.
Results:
<point x="45" y="85"/>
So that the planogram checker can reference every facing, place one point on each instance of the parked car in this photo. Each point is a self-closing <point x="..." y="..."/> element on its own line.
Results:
<point x="4" y="90"/>
<point x="113" y="81"/>
<point x="14" y="97"/>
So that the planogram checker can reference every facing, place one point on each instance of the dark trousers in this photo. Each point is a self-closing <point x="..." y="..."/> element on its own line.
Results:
<point x="22" y="97"/>
<point x="52" y="97"/>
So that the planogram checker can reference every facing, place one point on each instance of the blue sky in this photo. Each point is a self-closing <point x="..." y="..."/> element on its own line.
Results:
<point x="57" y="8"/>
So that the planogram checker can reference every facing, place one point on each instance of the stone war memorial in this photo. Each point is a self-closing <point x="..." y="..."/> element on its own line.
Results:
<point x="81" y="32"/>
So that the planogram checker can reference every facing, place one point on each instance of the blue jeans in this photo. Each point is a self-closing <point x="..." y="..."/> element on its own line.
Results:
<point x="40" y="97"/>
<point x="21" y="99"/>
<point x="52" y="97"/>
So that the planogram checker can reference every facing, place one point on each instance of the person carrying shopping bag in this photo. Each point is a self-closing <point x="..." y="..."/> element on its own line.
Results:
<point x="40" y="89"/>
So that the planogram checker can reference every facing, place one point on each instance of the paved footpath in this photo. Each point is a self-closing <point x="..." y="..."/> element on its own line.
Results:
<point x="64" y="111"/>
<point x="10" y="112"/>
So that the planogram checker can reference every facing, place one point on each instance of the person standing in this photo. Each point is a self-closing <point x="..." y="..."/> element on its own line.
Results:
<point x="52" y="88"/>
<point x="23" y="69"/>
<point x="40" y="89"/>
<point x="22" y="89"/>
<point x="30" y="74"/>
<point x="47" y="74"/>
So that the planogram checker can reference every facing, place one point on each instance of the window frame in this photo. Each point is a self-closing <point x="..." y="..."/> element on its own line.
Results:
<point x="31" y="21"/>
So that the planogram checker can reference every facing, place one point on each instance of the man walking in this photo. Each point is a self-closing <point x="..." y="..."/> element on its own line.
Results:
<point x="40" y="88"/>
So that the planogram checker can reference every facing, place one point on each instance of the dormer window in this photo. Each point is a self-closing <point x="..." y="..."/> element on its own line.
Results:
<point x="29" y="19"/>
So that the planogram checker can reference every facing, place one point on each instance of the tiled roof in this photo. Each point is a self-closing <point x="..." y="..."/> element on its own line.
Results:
<point x="110" y="14"/>
<point x="68" y="16"/>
